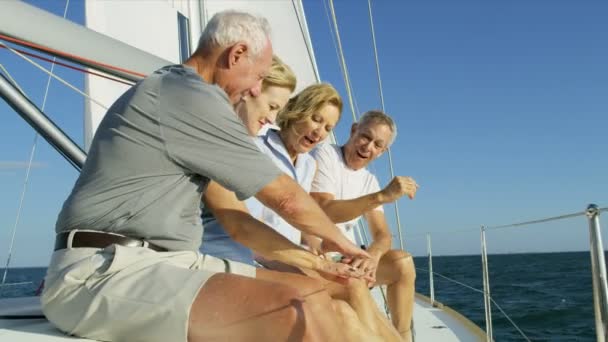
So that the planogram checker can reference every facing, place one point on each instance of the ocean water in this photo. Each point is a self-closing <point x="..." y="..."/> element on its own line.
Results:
<point x="549" y="295"/>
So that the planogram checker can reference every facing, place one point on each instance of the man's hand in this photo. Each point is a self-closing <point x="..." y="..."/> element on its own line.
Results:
<point x="367" y="266"/>
<point x="339" y="272"/>
<point x="398" y="187"/>
<point x="320" y="269"/>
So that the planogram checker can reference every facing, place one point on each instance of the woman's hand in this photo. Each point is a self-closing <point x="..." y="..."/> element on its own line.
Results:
<point x="368" y="266"/>
<point x="339" y="271"/>
<point x="344" y="246"/>
<point x="313" y="243"/>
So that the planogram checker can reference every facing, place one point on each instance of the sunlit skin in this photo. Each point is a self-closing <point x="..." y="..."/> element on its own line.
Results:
<point x="303" y="136"/>
<point x="256" y="111"/>
<point x="365" y="144"/>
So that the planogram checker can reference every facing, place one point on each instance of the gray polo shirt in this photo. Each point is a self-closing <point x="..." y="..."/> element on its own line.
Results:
<point x="153" y="155"/>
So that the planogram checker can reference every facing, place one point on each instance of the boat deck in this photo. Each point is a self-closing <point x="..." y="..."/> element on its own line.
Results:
<point x="437" y="323"/>
<point x="430" y="323"/>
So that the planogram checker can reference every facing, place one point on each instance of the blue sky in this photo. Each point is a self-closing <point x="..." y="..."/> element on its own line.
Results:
<point x="501" y="108"/>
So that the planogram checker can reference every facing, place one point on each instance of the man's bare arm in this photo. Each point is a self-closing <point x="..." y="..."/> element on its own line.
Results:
<point x="345" y="210"/>
<point x="291" y="202"/>
<point x="381" y="235"/>
<point x="244" y="228"/>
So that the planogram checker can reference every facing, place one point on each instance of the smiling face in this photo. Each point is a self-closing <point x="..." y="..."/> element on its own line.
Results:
<point x="302" y="136"/>
<point x="366" y="143"/>
<point x="242" y="74"/>
<point x="256" y="111"/>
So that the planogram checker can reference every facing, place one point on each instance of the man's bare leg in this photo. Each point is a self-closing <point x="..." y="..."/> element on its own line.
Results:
<point x="355" y="294"/>
<point x="396" y="270"/>
<point x="316" y="297"/>
<point x="358" y="296"/>
<point x="353" y="329"/>
<point x="235" y="308"/>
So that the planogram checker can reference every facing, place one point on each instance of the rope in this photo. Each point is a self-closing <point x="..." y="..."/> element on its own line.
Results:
<point x="29" y="165"/>
<point x="66" y="83"/>
<point x="67" y="55"/>
<point x="480" y="291"/>
<point x="69" y="66"/>
<point x="390" y="155"/>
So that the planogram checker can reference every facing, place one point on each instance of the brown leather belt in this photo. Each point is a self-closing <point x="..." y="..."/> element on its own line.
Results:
<point x="101" y="240"/>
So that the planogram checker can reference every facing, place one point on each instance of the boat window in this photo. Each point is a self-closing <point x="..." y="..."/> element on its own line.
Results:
<point x="183" y="25"/>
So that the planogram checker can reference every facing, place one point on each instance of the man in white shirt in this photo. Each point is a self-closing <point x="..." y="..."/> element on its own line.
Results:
<point x="346" y="190"/>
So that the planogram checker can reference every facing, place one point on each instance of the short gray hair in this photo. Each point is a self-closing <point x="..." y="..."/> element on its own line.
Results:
<point x="379" y="117"/>
<point x="228" y="27"/>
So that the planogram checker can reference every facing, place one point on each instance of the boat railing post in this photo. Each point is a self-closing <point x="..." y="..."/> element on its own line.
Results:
<point x="486" y="285"/>
<point x="431" y="283"/>
<point x="598" y="269"/>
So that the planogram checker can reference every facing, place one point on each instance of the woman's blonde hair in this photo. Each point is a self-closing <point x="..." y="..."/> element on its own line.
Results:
<point x="279" y="75"/>
<point x="307" y="102"/>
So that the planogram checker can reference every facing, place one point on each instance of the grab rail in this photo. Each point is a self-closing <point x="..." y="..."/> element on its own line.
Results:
<point x="598" y="268"/>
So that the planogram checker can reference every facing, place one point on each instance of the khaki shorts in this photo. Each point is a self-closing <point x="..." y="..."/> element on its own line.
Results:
<point x="128" y="293"/>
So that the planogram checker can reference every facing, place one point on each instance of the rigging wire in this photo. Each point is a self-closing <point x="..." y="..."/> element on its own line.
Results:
<point x="479" y="291"/>
<point x="69" y="56"/>
<point x="29" y="165"/>
<point x="308" y="43"/>
<point x="70" y="66"/>
<point x="66" y="83"/>
<point x="390" y="157"/>
<point x="335" y="44"/>
<point x="335" y="33"/>
<point x="555" y="218"/>
<point x="342" y="60"/>
<point x="511" y="225"/>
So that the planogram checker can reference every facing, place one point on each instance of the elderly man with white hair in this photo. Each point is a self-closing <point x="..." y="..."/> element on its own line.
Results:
<point x="346" y="191"/>
<point x="126" y="265"/>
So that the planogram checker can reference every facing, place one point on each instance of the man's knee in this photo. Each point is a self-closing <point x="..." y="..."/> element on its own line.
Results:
<point x="307" y="286"/>
<point x="341" y="308"/>
<point x="402" y="263"/>
<point x="357" y="288"/>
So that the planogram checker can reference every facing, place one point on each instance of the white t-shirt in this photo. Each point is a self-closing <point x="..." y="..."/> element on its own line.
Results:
<point x="334" y="177"/>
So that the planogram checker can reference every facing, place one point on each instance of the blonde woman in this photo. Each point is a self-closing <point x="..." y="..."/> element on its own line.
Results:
<point x="321" y="106"/>
<point x="307" y="120"/>
<point x="254" y="112"/>
<point x="277" y="86"/>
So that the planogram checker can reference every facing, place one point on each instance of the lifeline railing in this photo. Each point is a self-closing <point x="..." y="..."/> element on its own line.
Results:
<point x="598" y="269"/>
